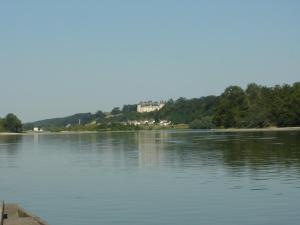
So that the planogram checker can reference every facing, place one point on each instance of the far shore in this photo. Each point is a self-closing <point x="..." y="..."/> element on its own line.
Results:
<point x="208" y="130"/>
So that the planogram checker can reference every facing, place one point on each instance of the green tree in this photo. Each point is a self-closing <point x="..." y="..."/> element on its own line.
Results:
<point x="2" y="129"/>
<point x="115" y="111"/>
<point x="203" y="123"/>
<point x="259" y="111"/>
<point x="231" y="108"/>
<point x="295" y="101"/>
<point x="187" y="110"/>
<point x="129" y="108"/>
<point x="12" y="123"/>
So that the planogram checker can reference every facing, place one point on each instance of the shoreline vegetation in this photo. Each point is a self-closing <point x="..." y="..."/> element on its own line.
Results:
<point x="236" y="109"/>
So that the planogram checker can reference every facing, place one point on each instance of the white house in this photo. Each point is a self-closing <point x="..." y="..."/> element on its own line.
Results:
<point x="141" y="122"/>
<point x="164" y="123"/>
<point x="37" y="129"/>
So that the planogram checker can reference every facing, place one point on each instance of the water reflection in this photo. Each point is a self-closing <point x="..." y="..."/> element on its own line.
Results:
<point x="237" y="152"/>
<point x="152" y="147"/>
<point x="10" y="146"/>
<point x="9" y="143"/>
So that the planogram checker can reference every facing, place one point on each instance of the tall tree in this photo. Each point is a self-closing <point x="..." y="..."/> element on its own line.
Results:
<point x="12" y="123"/>
<point x="115" y="111"/>
<point x="231" y="108"/>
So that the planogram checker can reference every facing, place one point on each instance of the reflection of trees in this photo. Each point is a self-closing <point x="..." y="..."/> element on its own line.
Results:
<point x="9" y="144"/>
<point x="117" y="149"/>
<point x="240" y="152"/>
<point x="235" y="151"/>
<point x="261" y="151"/>
<point x="9" y="148"/>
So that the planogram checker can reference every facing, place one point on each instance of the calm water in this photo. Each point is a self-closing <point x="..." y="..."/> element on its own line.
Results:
<point x="155" y="177"/>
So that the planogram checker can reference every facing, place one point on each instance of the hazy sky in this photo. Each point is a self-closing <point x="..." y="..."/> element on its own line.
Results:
<point x="62" y="57"/>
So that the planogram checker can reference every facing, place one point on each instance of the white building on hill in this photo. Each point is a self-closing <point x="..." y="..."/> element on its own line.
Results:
<point x="37" y="129"/>
<point x="150" y="106"/>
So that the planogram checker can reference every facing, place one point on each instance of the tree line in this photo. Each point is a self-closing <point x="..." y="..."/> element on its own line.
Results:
<point x="256" y="106"/>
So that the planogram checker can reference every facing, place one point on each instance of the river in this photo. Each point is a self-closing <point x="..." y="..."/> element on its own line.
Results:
<point x="176" y="177"/>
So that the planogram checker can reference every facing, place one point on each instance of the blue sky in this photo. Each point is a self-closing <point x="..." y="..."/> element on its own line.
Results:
<point x="62" y="57"/>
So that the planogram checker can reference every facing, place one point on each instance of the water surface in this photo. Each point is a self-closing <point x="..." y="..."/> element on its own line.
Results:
<point x="155" y="177"/>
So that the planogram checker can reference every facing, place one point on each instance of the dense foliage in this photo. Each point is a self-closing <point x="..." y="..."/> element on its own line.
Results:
<point x="187" y="110"/>
<point x="11" y="123"/>
<point x="258" y="106"/>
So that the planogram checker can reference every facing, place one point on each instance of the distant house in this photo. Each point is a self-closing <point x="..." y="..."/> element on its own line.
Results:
<point x="37" y="129"/>
<point x="141" y="122"/>
<point x="150" y="106"/>
<point x="164" y="123"/>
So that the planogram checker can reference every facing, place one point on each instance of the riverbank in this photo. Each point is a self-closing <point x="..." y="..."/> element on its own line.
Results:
<point x="46" y="132"/>
<point x="257" y="129"/>
<point x="9" y="133"/>
<point x="267" y="129"/>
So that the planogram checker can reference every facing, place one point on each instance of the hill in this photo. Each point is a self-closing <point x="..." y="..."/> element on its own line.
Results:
<point x="79" y="118"/>
<point x="256" y="106"/>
